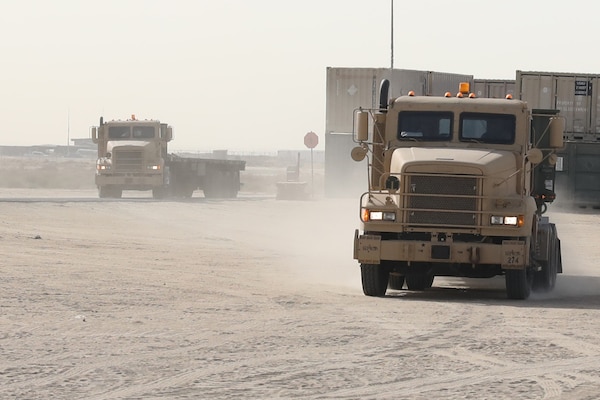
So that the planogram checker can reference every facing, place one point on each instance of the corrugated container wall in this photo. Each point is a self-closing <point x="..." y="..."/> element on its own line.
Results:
<point x="575" y="95"/>
<point x="493" y="88"/>
<point x="351" y="88"/>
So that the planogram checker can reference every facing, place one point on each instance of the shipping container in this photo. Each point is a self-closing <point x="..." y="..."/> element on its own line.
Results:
<point x="493" y="88"/>
<point x="575" y="95"/>
<point x="572" y="93"/>
<point x="578" y="174"/>
<point x="350" y="88"/>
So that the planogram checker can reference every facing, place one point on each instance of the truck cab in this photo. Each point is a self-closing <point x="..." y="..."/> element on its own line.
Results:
<point x="453" y="191"/>
<point x="131" y="156"/>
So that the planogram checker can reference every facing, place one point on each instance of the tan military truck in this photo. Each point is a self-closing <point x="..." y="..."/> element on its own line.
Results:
<point x="132" y="155"/>
<point x="457" y="187"/>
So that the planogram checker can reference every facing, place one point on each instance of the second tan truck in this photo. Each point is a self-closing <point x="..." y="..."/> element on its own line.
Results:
<point x="132" y="155"/>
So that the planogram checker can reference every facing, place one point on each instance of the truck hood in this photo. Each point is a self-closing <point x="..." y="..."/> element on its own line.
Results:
<point x="448" y="160"/>
<point x="115" y="144"/>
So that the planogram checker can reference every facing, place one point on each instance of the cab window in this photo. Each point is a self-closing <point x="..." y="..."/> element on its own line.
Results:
<point x="425" y="125"/>
<point x="118" y="132"/>
<point x="143" y="132"/>
<point x="487" y="128"/>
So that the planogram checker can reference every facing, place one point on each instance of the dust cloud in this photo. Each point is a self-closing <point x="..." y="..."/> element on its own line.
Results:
<point x="577" y="229"/>
<point x="137" y="298"/>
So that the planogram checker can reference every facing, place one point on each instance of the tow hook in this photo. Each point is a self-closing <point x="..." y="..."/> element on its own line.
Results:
<point x="474" y="255"/>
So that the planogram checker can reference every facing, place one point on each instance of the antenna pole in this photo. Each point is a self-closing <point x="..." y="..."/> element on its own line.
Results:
<point x="392" y="34"/>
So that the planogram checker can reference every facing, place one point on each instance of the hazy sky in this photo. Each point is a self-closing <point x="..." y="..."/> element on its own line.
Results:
<point x="250" y="75"/>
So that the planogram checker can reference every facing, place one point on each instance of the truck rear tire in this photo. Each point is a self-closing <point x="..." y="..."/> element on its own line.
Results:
<point x="419" y="281"/>
<point x="396" y="282"/>
<point x="221" y="184"/>
<point x="518" y="283"/>
<point x="375" y="279"/>
<point x="545" y="279"/>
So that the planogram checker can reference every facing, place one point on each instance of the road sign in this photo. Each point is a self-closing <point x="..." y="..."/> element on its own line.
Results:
<point x="311" y="140"/>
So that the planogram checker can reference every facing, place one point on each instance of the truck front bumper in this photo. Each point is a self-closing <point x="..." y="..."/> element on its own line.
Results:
<point x="371" y="249"/>
<point x="130" y="180"/>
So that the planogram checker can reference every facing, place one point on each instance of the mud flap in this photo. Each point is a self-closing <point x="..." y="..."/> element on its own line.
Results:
<point x="514" y="254"/>
<point x="367" y="248"/>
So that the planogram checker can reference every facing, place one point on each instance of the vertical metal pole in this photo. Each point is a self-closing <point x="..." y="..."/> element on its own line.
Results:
<point x="392" y="34"/>
<point x="312" y="175"/>
<point x="68" y="126"/>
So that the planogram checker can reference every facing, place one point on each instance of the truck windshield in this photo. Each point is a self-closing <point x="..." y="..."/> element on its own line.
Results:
<point x="118" y="132"/>
<point x="425" y="125"/>
<point x="137" y="132"/>
<point x="144" y="132"/>
<point x="487" y="128"/>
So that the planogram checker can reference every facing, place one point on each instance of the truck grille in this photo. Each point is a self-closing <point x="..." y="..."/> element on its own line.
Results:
<point x="442" y="200"/>
<point x="128" y="160"/>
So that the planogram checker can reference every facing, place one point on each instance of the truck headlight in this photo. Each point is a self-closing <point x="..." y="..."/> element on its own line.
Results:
<point x="103" y="167"/>
<point x="511" y="220"/>
<point x="153" y="167"/>
<point x="368" y="215"/>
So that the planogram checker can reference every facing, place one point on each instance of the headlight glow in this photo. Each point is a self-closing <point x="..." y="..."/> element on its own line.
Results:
<point x="376" y="215"/>
<point x="154" y="167"/>
<point x="497" y="220"/>
<point x="379" y="216"/>
<point x="511" y="220"/>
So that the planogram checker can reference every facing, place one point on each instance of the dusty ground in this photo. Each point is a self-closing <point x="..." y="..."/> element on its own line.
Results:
<point x="259" y="298"/>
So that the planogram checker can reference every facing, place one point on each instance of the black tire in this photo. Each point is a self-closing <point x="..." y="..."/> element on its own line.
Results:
<point x="159" y="192"/>
<point x="419" y="281"/>
<point x="374" y="279"/>
<point x="518" y="283"/>
<point x="181" y="186"/>
<point x="109" y="192"/>
<point x="545" y="279"/>
<point x="221" y="184"/>
<point x="429" y="282"/>
<point x="396" y="282"/>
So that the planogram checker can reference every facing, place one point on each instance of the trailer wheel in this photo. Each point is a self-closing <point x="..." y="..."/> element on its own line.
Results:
<point x="221" y="184"/>
<point x="419" y="281"/>
<point x="396" y="282"/>
<point x="518" y="283"/>
<point x="375" y="279"/>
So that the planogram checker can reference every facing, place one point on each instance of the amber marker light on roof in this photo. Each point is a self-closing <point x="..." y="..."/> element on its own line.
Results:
<point x="509" y="96"/>
<point x="459" y="94"/>
<point x="411" y="93"/>
<point x="463" y="87"/>
<point x="447" y="94"/>
<point x="471" y="95"/>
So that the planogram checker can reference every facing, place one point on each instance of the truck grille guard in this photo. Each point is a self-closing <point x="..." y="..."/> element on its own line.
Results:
<point x="127" y="160"/>
<point x="429" y="200"/>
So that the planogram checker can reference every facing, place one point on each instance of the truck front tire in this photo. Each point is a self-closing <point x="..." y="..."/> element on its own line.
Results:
<point x="109" y="192"/>
<point x="518" y="283"/>
<point x="375" y="279"/>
